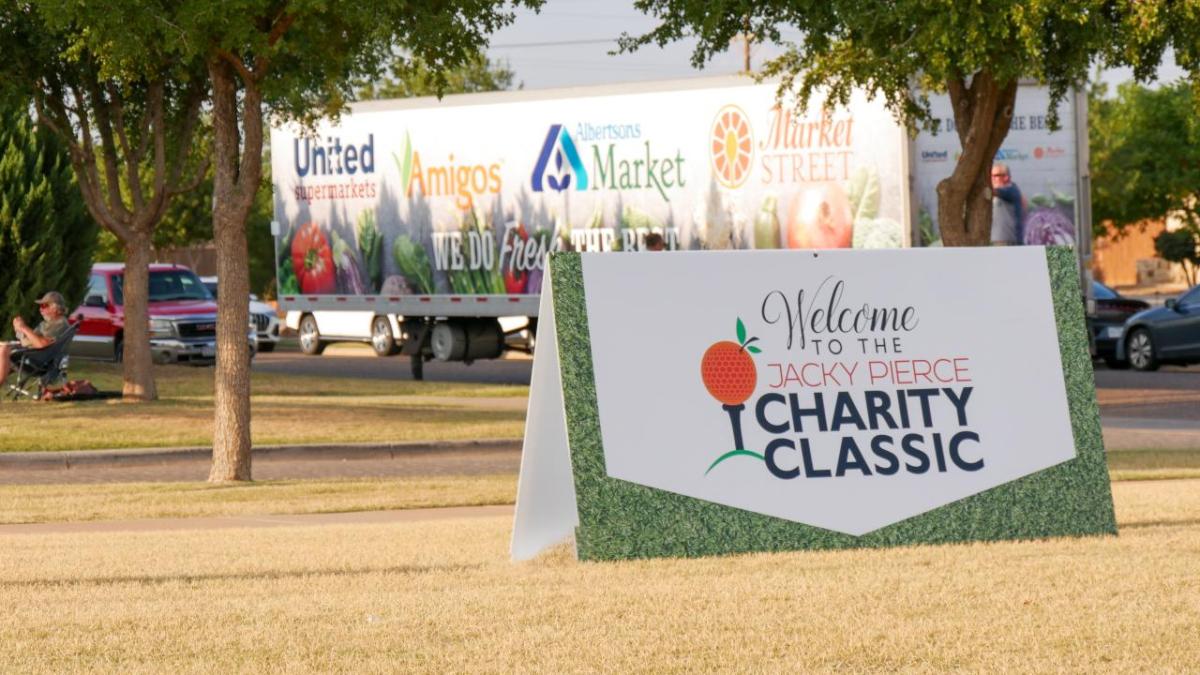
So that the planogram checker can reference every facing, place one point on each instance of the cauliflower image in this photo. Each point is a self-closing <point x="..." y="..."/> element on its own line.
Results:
<point x="877" y="233"/>
<point x="715" y="222"/>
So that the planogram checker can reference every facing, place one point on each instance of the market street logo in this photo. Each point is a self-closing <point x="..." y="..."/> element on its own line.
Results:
<point x="732" y="146"/>
<point x="862" y="410"/>
<point x="559" y="149"/>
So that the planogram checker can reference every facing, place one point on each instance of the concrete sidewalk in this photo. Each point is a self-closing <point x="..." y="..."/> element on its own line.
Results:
<point x="263" y="521"/>
<point x="1140" y="433"/>
<point x="462" y="458"/>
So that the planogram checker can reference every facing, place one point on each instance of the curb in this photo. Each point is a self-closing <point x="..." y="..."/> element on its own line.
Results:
<point x="328" y="452"/>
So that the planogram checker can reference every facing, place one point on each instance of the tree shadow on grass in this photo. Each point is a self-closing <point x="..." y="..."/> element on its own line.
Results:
<point x="1158" y="522"/>
<point x="339" y="572"/>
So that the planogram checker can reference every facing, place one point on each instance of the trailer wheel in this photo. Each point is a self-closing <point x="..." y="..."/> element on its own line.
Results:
<point x="310" y="336"/>
<point x="382" y="340"/>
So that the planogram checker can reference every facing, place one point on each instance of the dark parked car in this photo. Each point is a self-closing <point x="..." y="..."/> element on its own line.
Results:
<point x="1167" y="334"/>
<point x="1108" y="324"/>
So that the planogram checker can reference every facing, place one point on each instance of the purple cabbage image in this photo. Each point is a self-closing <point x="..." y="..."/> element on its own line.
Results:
<point x="1050" y="221"/>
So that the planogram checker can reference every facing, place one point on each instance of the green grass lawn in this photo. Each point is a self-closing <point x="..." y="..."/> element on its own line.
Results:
<point x="286" y="409"/>
<point x="1153" y="464"/>
<point x="132" y="501"/>
<point x="443" y="597"/>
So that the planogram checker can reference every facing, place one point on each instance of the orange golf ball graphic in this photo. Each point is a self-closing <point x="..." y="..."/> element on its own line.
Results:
<point x="728" y="372"/>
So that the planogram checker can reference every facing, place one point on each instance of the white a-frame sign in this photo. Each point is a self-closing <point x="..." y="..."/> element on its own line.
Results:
<point x="546" y="512"/>
<point x="698" y="403"/>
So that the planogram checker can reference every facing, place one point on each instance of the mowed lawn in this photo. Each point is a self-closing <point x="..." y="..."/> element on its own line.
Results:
<point x="286" y="409"/>
<point x="443" y="597"/>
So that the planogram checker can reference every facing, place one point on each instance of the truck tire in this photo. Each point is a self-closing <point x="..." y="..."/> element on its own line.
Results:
<point x="382" y="340"/>
<point x="310" y="336"/>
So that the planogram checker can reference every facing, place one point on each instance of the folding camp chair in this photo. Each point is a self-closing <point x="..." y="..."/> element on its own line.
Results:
<point x="36" y="370"/>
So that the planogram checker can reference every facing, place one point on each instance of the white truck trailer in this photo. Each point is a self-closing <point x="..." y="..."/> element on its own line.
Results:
<point x="420" y="223"/>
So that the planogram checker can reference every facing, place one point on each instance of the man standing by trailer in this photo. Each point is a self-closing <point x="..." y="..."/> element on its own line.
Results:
<point x="1008" y="210"/>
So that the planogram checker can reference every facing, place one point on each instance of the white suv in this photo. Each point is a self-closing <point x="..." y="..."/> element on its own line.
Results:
<point x="263" y="317"/>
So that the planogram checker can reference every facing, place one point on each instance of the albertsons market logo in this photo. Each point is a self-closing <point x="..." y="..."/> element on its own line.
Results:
<point x="560" y="158"/>
<point x="618" y="162"/>
<point x="732" y="145"/>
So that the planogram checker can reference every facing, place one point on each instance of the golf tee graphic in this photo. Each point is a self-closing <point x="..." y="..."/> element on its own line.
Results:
<point x="730" y="376"/>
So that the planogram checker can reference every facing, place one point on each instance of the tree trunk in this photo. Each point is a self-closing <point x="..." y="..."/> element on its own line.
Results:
<point x="237" y="170"/>
<point x="982" y="114"/>
<point x="138" y="367"/>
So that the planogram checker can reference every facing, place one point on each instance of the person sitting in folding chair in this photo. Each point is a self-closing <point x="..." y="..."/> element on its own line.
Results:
<point x="52" y="328"/>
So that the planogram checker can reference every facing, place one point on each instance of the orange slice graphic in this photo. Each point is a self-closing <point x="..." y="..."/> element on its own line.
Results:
<point x="732" y="146"/>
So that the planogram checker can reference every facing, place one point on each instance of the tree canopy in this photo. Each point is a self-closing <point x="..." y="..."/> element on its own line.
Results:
<point x="903" y="50"/>
<point x="46" y="234"/>
<point x="1145" y="155"/>
<point x="410" y="77"/>
<point x="127" y="110"/>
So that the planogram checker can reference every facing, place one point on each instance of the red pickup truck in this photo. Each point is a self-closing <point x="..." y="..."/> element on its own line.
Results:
<point x="183" y="316"/>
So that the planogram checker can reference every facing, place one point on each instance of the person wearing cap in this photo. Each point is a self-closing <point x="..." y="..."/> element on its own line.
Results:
<point x="53" y="326"/>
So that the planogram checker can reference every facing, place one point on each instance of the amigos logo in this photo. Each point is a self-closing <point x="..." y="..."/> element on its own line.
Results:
<point x="465" y="182"/>
<point x="864" y="415"/>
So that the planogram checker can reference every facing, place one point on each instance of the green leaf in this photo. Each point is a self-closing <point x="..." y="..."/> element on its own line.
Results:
<point x="863" y="192"/>
<point x="735" y="453"/>
<point x="406" y="172"/>
<point x="741" y="331"/>
<point x="754" y="350"/>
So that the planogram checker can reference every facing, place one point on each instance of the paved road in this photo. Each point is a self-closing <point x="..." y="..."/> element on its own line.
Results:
<point x="362" y="363"/>
<point x="1168" y="394"/>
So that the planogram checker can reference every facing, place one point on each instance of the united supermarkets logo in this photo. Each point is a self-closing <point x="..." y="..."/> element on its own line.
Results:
<point x="619" y="162"/>
<point x="732" y="146"/>
<point x="558" y="164"/>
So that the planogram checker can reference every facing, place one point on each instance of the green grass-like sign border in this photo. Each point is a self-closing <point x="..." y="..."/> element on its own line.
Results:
<point x="618" y="519"/>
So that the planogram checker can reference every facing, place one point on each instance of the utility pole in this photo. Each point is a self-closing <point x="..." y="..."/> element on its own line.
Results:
<point x="746" y="44"/>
